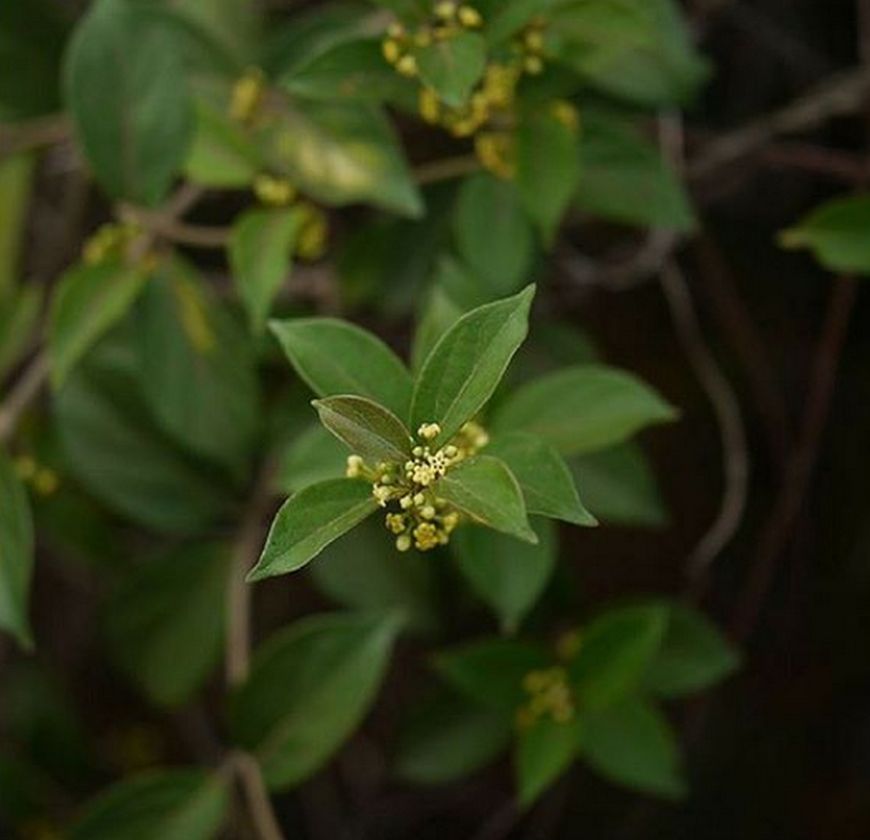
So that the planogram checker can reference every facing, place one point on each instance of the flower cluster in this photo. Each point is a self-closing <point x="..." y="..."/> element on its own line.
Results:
<point x="489" y="116"/>
<point x="418" y="516"/>
<point x="43" y="480"/>
<point x="448" y="19"/>
<point x="550" y="697"/>
<point x="247" y="100"/>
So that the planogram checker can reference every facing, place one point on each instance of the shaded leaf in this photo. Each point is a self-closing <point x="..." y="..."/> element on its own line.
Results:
<point x="16" y="554"/>
<point x="309" y="688"/>
<point x="369" y="429"/>
<point x="452" y="66"/>
<point x="543" y="752"/>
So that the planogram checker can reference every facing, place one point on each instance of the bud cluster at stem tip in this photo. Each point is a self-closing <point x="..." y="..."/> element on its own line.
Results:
<point x="418" y="516"/>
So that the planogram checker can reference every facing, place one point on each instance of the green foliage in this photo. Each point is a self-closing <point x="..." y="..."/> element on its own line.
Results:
<point x="367" y="428"/>
<point x="135" y="130"/>
<point x="836" y="234"/>
<point x="452" y="67"/>
<point x="309" y="688"/>
<point x="170" y="805"/>
<point x="165" y="622"/>
<point x="16" y="554"/>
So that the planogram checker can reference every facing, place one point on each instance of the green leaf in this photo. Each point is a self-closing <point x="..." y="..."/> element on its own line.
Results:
<point x="342" y="153"/>
<point x="836" y="233"/>
<point x="547" y="169"/>
<point x="128" y="97"/>
<point x="309" y="689"/>
<point x="548" y="486"/>
<point x="260" y="253"/>
<point x="113" y="447"/>
<point x="543" y="752"/>
<point x="221" y="153"/>
<point x="158" y="805"/>
<point x="234" y="24"/>
<point x="503" y="18"/>
<point x="309" y="521"/>
<point x="639" y="50"/>
<point x="632" y="744"/>
<point x="16" y="554"/>
<point x="693" y="655"/>
<point x="509" y="576"/>
<point x="491" y="671"/>
<point x="619" y="486"/>
<point x="439" y="314"/>
<point x="363" y="570"/>
<point x="583" y="408"/>
<point x="19" y="317"/>
<point x="350" y="70"/>
<point x="88" y="302"/>
<point x="493" y="233"/>
<point x="615" y="652"/>
<point x="624" y="178"/>
<point x="197" y="368"/>
<point x="165" y="622"/>
<point x="32" y="35"/>
<point x="369" y="429"/>
<point x="484" y="489"/>
<point x="312" y="455"/>
<point x="468" y="362"/>
<point x="334" y="357"/>
<point x="453" y="66"/>
<point x="446" y="738"/>
<point x="16" y="182"/>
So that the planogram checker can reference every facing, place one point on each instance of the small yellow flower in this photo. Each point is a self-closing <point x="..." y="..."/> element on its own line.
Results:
<point x="429" y="431"/>
<point x="396" y="30"/>
<point x="407" y="66"/>
<point x="429" y="105"/>
<point x="391" y="50"/>
<point x="396" y="522"/>
<point x="533" y="65"/>
<point x="403" y="543"/>
<point x="445" y="10"/>
<point x="311" y="240"/>
<point x="46" y="482"/>
<point x="247" y="96"/>
<point x="274" y="191"/>
<point x="469" y="17"/>
<point x="355" y="466"/>
<point x="567" y="114"/>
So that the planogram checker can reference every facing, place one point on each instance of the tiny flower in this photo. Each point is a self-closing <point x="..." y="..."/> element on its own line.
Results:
<point x="469" y="17"/>
<point x="429" y="431"/>
<point x="406" y="502"/>
<point x="355" y="466"/>
<point x="445" y="10"/>
<point x="407" y="66"/>
<point x="403" y="543"/>
<point x="428" y="512"/>
<point x="391" y="50"/>
<point x="396" y="522"/>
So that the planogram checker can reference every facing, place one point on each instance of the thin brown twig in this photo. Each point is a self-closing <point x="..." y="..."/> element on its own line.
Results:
<point x="33" y="134"/>
<point x="256" y="796"/>
<point x="22" y="394"/>
<point x="446" y="169"/>
<point x="842" y="94"/>
<point x="799" y="471"/>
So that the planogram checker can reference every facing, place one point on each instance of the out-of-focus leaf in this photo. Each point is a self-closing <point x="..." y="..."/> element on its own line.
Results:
<point x="19" y="315"/>
<point x="32" y="35"/>
<point x="639" y="50"/>
<point x="16" y="554"/>
<point x="88" y="302"/>
<point x="544" y="751"/>
<point x="836" y="233"/>
<point x="115" y="449"/>
<point x="452" y="66"/>
<point x="615" y="652"/>
<point x="128" y="97"/>
<point x="16" y="177"/>
<point x="234" y="24"/>
<point x="342" y="154"/>
<point x="694" y="655"/>
<point x="309" y="688"/>
<point x="493" y="234"/>
<point x="583" y="409"/>
<point x="309" y="521"/>
<point x="624" y="178"/>
<point x="446" y="738"/>
<point x="363" y="570"/>
<point x="197" y="368"/>
<point x="260" y="252"/>
<point x="439" y="314"/>
<point x="165" y="622"/>
<point x="547" y="167"/>
<point x="221" y="154"/>
<point x="507" y="574"/>
<point x="491" y="671"/>
<point x="159" y="805"/>
<point x="311" y="456"/>
<point x="632" y="744"/>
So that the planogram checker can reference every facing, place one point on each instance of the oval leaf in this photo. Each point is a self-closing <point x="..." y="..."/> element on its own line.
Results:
<point x="334" y="357"/>
<point x="366" y="427"/>
<point x="129" y="101"/>
<point x="89" y="300"/>
<point x="453" y="66"/>
<point x="309" y="688"/>
<point x="468" y="362"/>
<point x="543" y="752"/>
<point x="260" y="253"/>
<point x="583" y="409"/>
<point x="311" y="520"/>
<point x="485" y="489"/>
<point x="16" y="554"/>
<point x="159" y="805"/>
